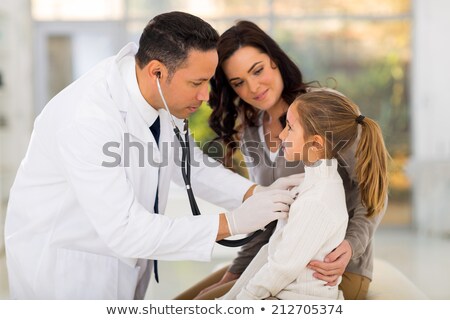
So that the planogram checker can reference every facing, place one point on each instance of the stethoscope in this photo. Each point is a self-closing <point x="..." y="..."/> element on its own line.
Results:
<point x="186" y="170"/>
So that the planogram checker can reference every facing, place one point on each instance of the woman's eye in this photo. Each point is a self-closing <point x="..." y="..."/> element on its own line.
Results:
<point x="197" y="84"/>
<point x="259" y="71"/>
<point x="237" y="84"/>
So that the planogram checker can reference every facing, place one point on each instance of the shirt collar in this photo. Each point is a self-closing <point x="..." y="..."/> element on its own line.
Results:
<point x="127" y="67"/>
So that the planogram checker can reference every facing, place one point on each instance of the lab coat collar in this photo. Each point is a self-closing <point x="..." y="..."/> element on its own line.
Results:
<point x="127" y="67"/>
<point x="126" y="101"/>
<point x="117" y="87"/>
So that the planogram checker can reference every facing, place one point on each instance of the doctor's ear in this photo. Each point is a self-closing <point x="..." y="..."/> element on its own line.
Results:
<point x="155" y="69"/>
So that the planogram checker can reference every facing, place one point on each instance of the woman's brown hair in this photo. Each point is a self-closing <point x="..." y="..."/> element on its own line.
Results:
<point x="230" y="114"/>
<point x="338" y="121"/>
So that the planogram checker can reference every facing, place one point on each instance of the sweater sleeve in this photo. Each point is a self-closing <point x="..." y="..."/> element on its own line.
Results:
<point x="309" y="226"/>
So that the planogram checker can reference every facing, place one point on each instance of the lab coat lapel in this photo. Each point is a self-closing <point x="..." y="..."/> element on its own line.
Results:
<point x="166" y="147"/>
<point x="135" y="125"/>
<point x="140" y="173"/>
<point x="140" y="132"/>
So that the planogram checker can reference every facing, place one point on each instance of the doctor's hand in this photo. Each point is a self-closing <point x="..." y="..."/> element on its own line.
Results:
<point x="259" y="210"/>
<point x="284" y="183"/>
<point x="333" y="265"/>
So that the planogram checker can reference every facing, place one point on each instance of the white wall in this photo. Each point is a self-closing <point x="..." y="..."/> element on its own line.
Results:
<point x="107" y="37"/>
<point x="430" y="165"/>
<point x="15" y="99"/>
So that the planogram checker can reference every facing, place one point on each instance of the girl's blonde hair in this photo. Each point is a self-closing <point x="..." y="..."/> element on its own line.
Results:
<point x="337" y="120"/>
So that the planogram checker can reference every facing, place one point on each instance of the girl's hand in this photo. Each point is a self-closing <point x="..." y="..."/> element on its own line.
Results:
<point x="333" y="265"/>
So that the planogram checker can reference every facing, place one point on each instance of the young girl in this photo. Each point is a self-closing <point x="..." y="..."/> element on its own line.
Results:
<point x="320" y="125"/>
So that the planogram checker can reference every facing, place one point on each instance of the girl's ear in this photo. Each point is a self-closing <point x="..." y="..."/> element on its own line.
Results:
<point x="318" y="142"/>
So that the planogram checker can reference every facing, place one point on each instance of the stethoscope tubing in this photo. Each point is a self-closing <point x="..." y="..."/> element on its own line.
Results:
<point x="186" y="173"/>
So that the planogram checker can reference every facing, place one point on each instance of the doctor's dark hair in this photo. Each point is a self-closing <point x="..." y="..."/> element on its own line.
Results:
<point x="230" y="114"/>
<point x="170" y="36"/>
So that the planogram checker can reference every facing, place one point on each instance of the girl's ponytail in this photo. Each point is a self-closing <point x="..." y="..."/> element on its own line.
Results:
<point x="371" y="166"/>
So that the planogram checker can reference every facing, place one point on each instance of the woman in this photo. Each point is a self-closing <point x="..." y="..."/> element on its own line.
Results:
<point x="254" y="84"/>
<point x="318" y="218"/>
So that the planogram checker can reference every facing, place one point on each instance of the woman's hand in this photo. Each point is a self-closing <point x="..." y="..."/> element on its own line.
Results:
<point x="227" y="277"/>
<point x="333" y="265"/>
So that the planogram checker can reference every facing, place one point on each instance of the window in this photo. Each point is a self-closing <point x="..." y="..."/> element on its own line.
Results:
<point x="76" y="10"/>
<point x="362" y="48"/>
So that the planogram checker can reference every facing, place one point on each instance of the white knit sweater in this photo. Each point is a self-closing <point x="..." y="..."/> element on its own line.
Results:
<point x="316" y="225"/>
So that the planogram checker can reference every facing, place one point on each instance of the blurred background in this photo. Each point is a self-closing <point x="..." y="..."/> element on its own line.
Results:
<point x="389" y="56"/>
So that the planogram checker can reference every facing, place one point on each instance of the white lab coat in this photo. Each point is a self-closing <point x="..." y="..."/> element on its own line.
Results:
<point x="78" y="230"/>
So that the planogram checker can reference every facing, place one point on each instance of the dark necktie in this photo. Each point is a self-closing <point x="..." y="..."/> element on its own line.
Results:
<point x="155" y="128"/>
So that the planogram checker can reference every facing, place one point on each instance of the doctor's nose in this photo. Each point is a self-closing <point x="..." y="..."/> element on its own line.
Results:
<point x="203" y="93"/>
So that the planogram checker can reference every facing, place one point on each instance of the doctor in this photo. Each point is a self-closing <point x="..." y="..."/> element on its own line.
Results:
<point x="81" y="221"/>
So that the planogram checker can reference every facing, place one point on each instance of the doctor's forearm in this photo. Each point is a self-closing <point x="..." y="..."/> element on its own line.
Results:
<point x="223" y="231"/>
